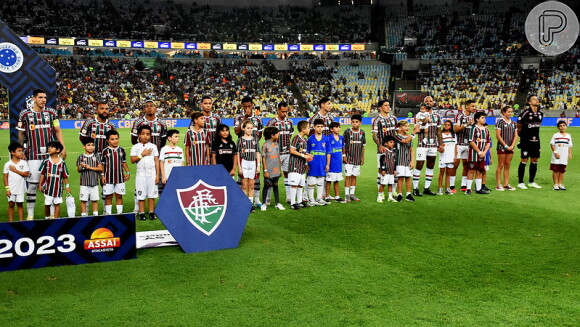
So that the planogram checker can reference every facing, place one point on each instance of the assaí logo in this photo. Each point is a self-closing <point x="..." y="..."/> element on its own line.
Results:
<point x="102" y="240"/>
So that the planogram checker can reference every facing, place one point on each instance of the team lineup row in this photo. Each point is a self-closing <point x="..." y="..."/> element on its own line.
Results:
<point x="465" y="140"/>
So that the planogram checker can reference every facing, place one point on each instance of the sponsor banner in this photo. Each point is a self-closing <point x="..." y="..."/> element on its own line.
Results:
<point x="81" y="42"/>
<point x="150" y="45"/>
<point x="358" y="47"/>
<point x="110" y="43"/>
<point x="203" y="208"/>
<point x="268" y="47"/>
<point x="95" y="43"/>
<point x="51" y="41"/>
<point x="177" y="45"/>
<point x="204" y="46"/>
<point x="293" y="47"/>
<point x="306" y="47"/>
<point x="164" y="45"/>
<point x="332" y="47"/>
<point x="66" y="41"/>
<point x="230" y="46"/>
<point x="124" y="44"/>
<point x="67" y="241"/>
<point x="5" y="125"/>
<point x="255" y="47"/>
<point x="344" y="47"/>
<point x="409" y="99"/>
<point x="243" y="46"/>
<point x="281" y="47"/>
<point x="216" y="46"/>
<point x="35" y="40"/>
<point x="319" y="47"/>
<point x="191" y="46"/>
<point x="137" y="44"/>
<point x="155" y="239"/>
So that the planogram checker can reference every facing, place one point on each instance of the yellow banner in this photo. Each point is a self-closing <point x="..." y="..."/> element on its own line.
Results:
<point x="203" y="46"/>
<point x="66" y="41"/>
<point x="332" y="47"/>
<point x="306" y="47"/>
<point x="177" y="45"/>
<point x="255" y="47"/>
<point x="358" y="47"/>
<point x="151" y="45"/>
<point x="281" y="47"/>
<point x="35" y="40"/>
<point x="95" y="43"/>
<point x="230" y="46"/>
<point x="124" y="44"/>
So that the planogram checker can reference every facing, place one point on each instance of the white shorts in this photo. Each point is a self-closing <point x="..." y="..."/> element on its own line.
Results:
<point x="34" y="176"/>
<point x="114" y="188"/>
<point x="423" y="153"/>
<point x="403" y="171"/>
<point x="248" y="169"/>
<point x="486" y="167"/>
<point x="315" y="180"/>
<point x="352" y="170"/>
<point x="145" y="188"/>
<point x="462" y="152"/>
<point x="296" y="179"/>
<point x="18" y="198"/>
<point x="445" y="164"/>
<point x="379" y="160"/>
<point x="387" y="179"/>
<point x="333" y="177"/>
<point x="48" y="200"/>
<point x="89" y="193"/>
<point x="285" y="159"/>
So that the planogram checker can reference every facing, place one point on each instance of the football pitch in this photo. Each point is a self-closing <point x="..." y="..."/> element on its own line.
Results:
<point x="504" y="259"/>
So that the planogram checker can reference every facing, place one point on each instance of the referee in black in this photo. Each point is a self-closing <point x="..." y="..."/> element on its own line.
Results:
<point x="529" y="122"/>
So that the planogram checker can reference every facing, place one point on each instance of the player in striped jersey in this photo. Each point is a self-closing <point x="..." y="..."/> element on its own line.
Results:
<point x="158" y="127"/>
<point x="96" y="128"/>
<point x="256" y="121"/>
<point x="297" y="165"/>
<point x="429" y="144"/>
<point x="325" y="106"/>
<point x="463" y="123"/>
<point x="286" y="129"/>
<point x="115" y="172"/>
<point x="405" y="160"/>
<point x="249" y="156"/>
<point x="211" y="121"/>
<point x="561" y="144"/>
<point x="388" y="170"/>
<point x="197" y="142"/>
<point x="37" y="126"/>
<point x="53" y="176"/>
<point x="90" y="166"/>
<point x="507" y="138"/>
<point x="354" y="154"/>
<point x="479" y="144"/>
<point x="383" y="125"/>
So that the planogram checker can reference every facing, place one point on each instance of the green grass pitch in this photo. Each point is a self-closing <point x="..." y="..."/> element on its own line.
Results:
<point x="505" y="259"/>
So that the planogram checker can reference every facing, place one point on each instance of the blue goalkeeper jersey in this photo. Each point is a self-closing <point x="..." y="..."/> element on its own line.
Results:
<point x="319" y="149"/>
<point x="336" y="147"/>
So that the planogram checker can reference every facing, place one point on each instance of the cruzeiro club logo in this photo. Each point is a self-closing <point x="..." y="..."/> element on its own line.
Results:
<point x="204" y="205"/>
<point x="552" y="28"/>
<point x="11" y="57"/>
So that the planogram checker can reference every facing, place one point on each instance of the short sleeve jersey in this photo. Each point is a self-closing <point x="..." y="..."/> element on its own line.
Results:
<point x="113" y="159"/>
<point x="319" y="149"/>
<point x="158" y="130"/>
<point x="354" y="143"/>
<point x="286" y="130"/>
<point x="271" y="153"/>
<point x="89" y="177"/>
<point x="336" y="150"/>
<point x="562" y="143"/>
<point x="171" y="157"/>
<point x="224" y="153"/>
<point x="383" y="127"/>
<point x="327" y="121"/>
<point x="16" y="182"/>
<point x="256" y="121"/>
<point x="96" y="130"/>
<point x="531" y="122"/>
<point x="39" y="129"/>
<point x="54" y="174"/>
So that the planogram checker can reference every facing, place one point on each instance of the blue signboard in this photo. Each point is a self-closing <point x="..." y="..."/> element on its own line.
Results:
<point x="203" y="208"/>
<point x="68" y="241"/>
<point x="137" y="44"/>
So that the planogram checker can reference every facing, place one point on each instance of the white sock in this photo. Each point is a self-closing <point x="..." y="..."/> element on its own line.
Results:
<point x="320" y="192"/>
<point x="428" y="177"/>
<point x="416" y="178"/>
<point x="119" y="208"/>
<point x="251" y="199"/>
<point x="292" y="194"/>
<point x="451" y="181"/>
<point x="289" y="196"/>
<point x="469" y="183"/>
<point x="83" y="214"/>
<point x="256" y="196"/>
<point x="352" y="188"/>
<point x="478" y="184"/>
<point x="30" y="208"/>
<point x="347" y="191"/>
<point x="95" y="213"/>
<point x="463" y="180"/>
<point x="299" y="193"/>
<point x="108" y="209"/>
<point x="310" y="193"/>
<point x="136" y="202"/>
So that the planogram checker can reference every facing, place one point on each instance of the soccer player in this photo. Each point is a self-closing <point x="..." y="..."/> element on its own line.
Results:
<point x="249" y="156"/>
<point x="463" y="123"/>
<point x="145" y="155"/>
<point x="334" y="174"/>
<point x="325" y="105"/>
<point x="197" y="142"/>
<point x="90" y="166"/>
<point x="37" y="126"/>
<point x="429" y="144"/>
<point x="115" y="172"/>
<point x="272" y="166"/>
<point x="256" y="121"/>
<point x="158" y="127"/>
<point x="353" y="156"/>
<point x="479" y="144"/>
<point x="211" y="121"/>
<point x="286" y="129"/>
<point x="15" y="172"/>
<point x="96" y="128"/>
<point x="507" y="138"/>
<point x="405" y="160"/>
<point x="297" y="165"/>
<point x="319" y="148"/>
<point x="529" y="122"/>
<point x="384" y="125"/>
<point x="224" y="151"/>
<point x="388" y="170"/>
<point x="561" y="144"/>
<point x="53" y="176"/>
<point x="171" y="155"/>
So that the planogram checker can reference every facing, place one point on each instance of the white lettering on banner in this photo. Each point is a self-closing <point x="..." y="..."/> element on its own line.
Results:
<point x="24" y="247"/>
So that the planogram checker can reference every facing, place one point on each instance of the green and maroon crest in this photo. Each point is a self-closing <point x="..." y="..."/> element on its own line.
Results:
<point x="204" y="205"/>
